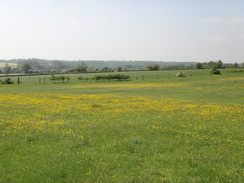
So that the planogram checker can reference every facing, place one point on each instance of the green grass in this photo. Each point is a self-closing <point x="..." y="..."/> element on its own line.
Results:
<point x="154" y="128"/>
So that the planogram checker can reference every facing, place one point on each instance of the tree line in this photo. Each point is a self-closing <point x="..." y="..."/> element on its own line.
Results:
<point x="30" y="66"/>
<point x="217" y="64"/>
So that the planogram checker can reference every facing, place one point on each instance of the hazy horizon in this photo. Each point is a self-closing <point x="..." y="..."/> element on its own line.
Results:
<point x="135" y="30"/>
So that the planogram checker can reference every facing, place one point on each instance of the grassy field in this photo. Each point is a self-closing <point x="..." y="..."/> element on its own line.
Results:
<point x="3" y="64"/>
<point x="154" y="128"/>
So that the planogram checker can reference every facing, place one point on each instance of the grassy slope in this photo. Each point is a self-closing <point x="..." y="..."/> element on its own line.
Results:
<point x="160" y="129"/>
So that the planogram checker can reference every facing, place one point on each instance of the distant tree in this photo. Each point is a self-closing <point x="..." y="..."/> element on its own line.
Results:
<point x="150" y="67"/>
<point x="7" y="69"/>
<point x="32" y="62"/>
<point x="62" y="78"/>
<point x="52" y="78"/>
<point x="153" y="67"/>
<point x="26" y="68"/>
<point x="105" y="69"/>
<point x="81" y="68"/>
<point x="219" y="64"/>
<point x="68" y="78"/>
<point x="235" y="65"/>
<point x="211" y="64"/>
<point x="156" y="67"/>
<point x="119" y="69"/>
<point x="81" y="78"/>
<point x="58" y="64"/>
<point x="199" y="65"/>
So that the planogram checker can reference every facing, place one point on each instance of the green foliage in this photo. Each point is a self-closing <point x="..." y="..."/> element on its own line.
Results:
<point x="7" y="81"/>
<point x="155" y="67"/>
<point x="54" y="78"/>
<point x="235" y="65"/>
<point x="119" y="69"/>
<point x="215" y="71"/>
<point x="7" y="69"/>
<point x="106" y="77"/>
<point x="106" y="69"/>
<point x="219" y="64"/>
<point x="83" y="78"/>
<point x="81" y="68"/>
<point x="112" y="77"/>
<point x="199" y="65"/>
<point x="209" y="65"/>
<point x="26" y="68"/>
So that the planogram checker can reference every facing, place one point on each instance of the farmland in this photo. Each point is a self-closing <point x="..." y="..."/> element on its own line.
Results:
<point x="154" y="128"/>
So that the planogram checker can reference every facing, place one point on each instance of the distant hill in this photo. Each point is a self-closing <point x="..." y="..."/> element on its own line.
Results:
<point x="99" y="64"/>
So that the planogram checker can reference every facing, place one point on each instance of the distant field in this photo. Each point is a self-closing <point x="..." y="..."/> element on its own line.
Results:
<point x="154" y="128"/>
<point x="10" y="64"/>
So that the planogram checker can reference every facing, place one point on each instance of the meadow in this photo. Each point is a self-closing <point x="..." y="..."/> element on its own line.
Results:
<point x="154" y="128"/>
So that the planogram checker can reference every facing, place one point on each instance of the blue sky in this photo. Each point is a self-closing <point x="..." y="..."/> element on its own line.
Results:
<point x="161" y="30"/>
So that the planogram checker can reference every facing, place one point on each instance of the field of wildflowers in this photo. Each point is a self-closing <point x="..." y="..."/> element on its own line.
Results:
<point x="123" y="132"/>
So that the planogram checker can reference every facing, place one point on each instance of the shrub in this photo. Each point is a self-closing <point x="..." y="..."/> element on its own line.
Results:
<point x="81" y="78"/>
<point x="58" y="78"/>
<point x="7" y="81"/>
<point x="215" y="71"/>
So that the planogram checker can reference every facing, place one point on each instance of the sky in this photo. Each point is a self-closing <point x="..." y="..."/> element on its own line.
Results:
<point x="131" y="30"/>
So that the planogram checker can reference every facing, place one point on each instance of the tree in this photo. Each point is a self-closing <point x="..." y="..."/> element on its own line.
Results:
<point x="62" y="78"/>
<point x="25" y="68"/>
<point x="156" y="67"/>
<point x="199" y="65"/>
<point x="211" y="64"/>
<point x="219" y="64"/>
<point x="150" y="67"/>
<point x="7" y="69"/>
<point x="235" y="65"/>
<point x="58" y="64"/>
<point x="119" y="69"/>
<point x="81" y="68"/>
<point x="153" y="67"/>
<point x="105" y="69"/>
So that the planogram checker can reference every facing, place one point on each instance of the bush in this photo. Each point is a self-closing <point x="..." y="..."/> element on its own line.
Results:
<point x="7" y="81"/>
<point x="58" y="78"/>
<point x="112" y="77"/>
<point x="215" y="71"/>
